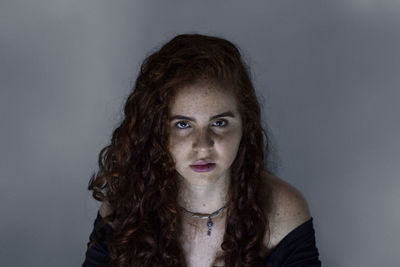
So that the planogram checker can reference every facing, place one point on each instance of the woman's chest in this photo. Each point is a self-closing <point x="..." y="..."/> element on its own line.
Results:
<point x="200" y="249"/>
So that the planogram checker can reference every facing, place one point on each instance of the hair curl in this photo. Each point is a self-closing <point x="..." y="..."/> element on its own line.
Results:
<point x="136" y="172"/>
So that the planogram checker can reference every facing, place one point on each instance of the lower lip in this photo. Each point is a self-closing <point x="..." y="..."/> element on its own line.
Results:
<point x="203" y="168"/>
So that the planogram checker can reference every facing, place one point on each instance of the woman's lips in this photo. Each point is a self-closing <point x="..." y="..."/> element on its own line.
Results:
<point x="203" y="162"/>
<point x="203" y="168"/>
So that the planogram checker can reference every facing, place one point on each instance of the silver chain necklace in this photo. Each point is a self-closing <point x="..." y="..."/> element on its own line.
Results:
<point x="205" y="216"/>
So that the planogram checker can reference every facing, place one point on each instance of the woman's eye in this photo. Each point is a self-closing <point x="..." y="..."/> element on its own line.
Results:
<point x="181" y="122"/>
<point x="220" y="124"/>
<point x="223" y="124"/>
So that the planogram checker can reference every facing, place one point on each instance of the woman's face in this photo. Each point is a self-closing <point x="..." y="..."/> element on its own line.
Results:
<point x="197" y="133"/>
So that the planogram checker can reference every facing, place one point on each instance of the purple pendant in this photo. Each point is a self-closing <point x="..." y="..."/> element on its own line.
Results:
<point x="209" y="225"/>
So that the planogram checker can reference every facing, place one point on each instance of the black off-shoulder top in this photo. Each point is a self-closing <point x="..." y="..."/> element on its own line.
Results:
<point x="297" y="249"/>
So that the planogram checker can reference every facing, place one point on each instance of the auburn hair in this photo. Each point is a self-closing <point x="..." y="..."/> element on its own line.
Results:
<point x="136" y="173"/>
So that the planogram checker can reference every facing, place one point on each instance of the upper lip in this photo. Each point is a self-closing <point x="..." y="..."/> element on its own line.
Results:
<point x="203" y="162"/>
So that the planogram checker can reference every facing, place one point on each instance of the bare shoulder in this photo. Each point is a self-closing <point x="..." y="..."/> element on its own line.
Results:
<point x="288" y="209"/>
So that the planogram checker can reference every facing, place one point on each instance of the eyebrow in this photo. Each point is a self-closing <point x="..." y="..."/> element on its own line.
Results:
<point x="181" y="117"/>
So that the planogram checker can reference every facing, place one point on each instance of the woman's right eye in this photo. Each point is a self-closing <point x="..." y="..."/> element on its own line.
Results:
<point x="181" y="122"/>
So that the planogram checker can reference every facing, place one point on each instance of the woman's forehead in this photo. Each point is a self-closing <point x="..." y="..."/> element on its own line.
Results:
<point x="203" y="98"/>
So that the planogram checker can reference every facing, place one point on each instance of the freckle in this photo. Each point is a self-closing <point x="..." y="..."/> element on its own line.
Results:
<point x="204" y="205"/>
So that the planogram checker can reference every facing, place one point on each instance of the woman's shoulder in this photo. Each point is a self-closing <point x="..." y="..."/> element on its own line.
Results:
<point x="287" y="209"/>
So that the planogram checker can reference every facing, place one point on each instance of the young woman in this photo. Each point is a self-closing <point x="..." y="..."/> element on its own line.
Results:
<point x="184" y="181"/>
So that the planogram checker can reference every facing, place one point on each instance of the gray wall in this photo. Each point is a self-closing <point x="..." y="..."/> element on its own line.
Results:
<point x="326" y="71"/>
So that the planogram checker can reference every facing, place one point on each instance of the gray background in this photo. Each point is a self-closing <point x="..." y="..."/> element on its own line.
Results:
<point x="326" y="73"/>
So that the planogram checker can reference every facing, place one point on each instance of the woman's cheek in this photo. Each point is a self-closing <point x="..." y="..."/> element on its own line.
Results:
<point x="230" y="135"/>
<point x="177" y="142"/>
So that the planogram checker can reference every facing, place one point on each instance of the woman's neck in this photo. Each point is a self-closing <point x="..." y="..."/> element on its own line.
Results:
<point x="204" y="198"/>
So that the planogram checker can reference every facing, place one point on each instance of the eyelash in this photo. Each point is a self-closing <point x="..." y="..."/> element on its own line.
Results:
<point x="225" y="121"/>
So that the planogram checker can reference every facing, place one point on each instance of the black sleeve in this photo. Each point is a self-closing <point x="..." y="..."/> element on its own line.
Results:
<point x="97" y="252"/>
<point x="297" y="249"/>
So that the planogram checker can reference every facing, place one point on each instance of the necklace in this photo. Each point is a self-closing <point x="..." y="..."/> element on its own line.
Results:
<point x="205" y="216"/>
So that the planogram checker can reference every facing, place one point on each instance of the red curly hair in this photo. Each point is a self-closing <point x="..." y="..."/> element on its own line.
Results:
<point x="136" y="173"/>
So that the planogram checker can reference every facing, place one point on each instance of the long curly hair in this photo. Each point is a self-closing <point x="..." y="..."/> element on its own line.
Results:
<point x="136" y="173"/>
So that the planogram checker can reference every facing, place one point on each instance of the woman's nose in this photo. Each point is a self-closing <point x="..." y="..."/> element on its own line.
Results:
<point x="203" y="140"/>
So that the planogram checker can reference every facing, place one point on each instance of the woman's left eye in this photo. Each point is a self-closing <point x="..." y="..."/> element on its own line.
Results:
<point x="224" y="123"/>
